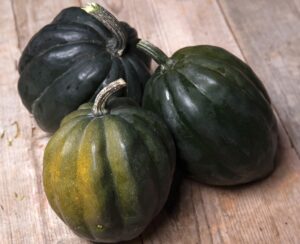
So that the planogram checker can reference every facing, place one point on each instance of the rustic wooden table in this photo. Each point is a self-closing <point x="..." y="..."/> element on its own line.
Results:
<point x="265" y="33"/>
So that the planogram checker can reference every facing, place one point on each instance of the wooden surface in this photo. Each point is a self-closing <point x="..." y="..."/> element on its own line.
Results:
<point x="265" y="33"/>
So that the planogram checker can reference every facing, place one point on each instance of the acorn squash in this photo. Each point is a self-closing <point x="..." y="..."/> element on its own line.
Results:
<point x="108" y="168"/>
<point x="70" y="60"/>
<point x="218" y="111"/>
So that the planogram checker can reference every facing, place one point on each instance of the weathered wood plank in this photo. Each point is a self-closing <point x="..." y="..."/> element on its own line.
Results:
<point x="268" y="33"/>
<point x="30" y="16"/>
<point x="16" y="215"/>
<point x="25" y="216"/>
<point x="17" y="179"/>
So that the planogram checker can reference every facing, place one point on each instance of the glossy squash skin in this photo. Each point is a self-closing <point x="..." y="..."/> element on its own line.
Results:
<point x="108" y="176"/>
<point x="70" y="60"/>
<point x="219" y="113"/>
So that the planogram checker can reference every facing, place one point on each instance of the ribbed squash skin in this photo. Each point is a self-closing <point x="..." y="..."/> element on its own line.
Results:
<point x="67" y="63"/>
<point x="219" y="113"/>
<point x="107" y="177"/>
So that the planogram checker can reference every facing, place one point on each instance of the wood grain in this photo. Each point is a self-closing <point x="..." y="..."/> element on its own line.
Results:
<point x="31" y="16"/>
<point x="25" y="216"/>
<point x="264" y="212"/>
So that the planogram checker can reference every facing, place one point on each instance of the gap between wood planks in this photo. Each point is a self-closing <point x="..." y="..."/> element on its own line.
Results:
<point x="16" y="28"/>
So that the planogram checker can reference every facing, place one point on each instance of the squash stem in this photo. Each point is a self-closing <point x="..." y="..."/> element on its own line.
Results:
<point x="104" y="94"/>
<point x="154" y="52"/>
<point x="118" y="43"/>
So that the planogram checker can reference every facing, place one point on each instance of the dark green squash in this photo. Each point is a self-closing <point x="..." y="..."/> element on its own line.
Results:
<point x="108" y="169"/>
<point x="70" y="60"/>
<point x="218" y="111"/>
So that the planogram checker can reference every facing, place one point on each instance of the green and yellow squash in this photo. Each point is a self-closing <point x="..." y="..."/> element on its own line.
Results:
<point x="108" y="169"/>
